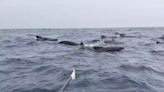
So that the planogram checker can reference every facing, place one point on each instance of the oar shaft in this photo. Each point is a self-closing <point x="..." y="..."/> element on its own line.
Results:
<point x="65" y="85"/>
<point x="72" y="77"/>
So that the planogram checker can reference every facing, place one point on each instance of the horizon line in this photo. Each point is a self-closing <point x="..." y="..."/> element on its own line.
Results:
<point x="85" y="27"/>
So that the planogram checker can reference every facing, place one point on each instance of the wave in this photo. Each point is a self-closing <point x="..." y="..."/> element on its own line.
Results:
<point x="17" y="61"/>
<point x="139" y="68"/>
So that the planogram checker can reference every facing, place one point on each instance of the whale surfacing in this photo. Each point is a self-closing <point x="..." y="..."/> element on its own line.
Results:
<point x="70" y="43"/>
<point x="107" y="49"/>
<point x="39" y="38"/>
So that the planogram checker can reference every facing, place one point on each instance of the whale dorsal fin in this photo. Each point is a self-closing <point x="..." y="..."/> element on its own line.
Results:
<point x="82" y="43"/>
<point x="37" y="36"/>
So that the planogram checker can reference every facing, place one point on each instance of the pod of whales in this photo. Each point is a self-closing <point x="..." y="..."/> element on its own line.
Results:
<point x="40" y="38"/>
<point x="95" y="48"/>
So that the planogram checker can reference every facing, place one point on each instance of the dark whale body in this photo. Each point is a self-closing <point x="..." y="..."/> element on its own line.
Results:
<point x="70" y="43"/>
<point x="107" y="49"/>
<point x="39" y="38"/>
<point x="103" y="36"/>
<point x="120" y="34"/>
<point x="158" y="42"/>
<point x="112" y="42"/>
<point x="94" y="40"/>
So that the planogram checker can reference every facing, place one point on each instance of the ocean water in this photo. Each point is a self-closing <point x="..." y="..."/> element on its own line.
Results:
<point x="27" y="65"/>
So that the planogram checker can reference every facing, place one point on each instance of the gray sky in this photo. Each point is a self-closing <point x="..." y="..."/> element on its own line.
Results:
<point x="80" y="13"/>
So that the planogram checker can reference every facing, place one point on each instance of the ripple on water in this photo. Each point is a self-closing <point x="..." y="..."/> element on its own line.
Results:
<point x="34" y="90"/>
<point x="124" y="83"/>
<point x="139" y="68"/>
<point x="17" y="61"/>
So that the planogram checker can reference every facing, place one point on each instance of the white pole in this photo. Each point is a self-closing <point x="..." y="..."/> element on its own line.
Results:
<point x="72" y="77"/>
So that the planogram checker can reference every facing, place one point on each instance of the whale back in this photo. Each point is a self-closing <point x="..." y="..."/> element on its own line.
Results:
<point x="39" y="38"/>
<point x="107" y="49"/>
<point x="68" y="43"/>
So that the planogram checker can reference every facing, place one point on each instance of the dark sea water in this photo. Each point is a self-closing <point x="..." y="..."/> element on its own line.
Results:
<point x="27" y="65"/>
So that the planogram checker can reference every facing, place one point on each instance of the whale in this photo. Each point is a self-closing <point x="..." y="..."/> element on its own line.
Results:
<point x="40" y="38"/>
<point x="158" y="42"/>
<point x="120" y="34"/>
<point x="103" y="36"/>
<point x="70" y="43"/>
<point x="112" y="37"/>
<point x="96" y="40"/>
<point x="107" y="49"/>
<point x="112" y="42"/>
<point x="96" y="48"/>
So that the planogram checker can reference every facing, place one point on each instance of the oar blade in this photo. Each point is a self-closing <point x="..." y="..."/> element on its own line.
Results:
<point x="73" y="75"/>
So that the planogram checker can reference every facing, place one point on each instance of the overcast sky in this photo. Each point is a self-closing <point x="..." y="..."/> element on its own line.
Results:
<point x="80" y="13"/>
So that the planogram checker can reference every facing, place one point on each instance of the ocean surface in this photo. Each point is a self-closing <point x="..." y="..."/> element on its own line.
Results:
<point x="27" y="65"/>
